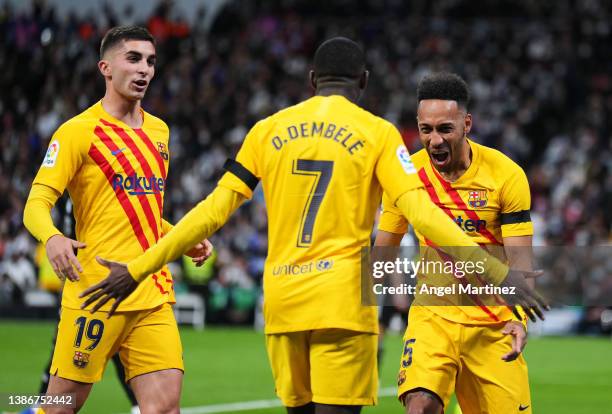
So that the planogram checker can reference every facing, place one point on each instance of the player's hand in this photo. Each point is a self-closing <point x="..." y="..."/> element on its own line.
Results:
<point x="519" y="339"/>
<point x="524" y="296"/>
<point x="60" y="251"/>
<point x="200" y="252"/>
<point x="118" y="285"/>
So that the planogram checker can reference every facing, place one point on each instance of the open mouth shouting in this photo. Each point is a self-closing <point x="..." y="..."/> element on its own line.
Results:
<point x="440" y="157"/>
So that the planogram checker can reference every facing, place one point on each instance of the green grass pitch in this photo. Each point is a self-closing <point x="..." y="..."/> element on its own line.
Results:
<point x="224" y="365"/>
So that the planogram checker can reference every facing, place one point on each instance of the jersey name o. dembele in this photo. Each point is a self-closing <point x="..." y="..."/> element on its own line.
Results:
<point x="116" y="178"/>
<point x="322" y="164"/>
<point x="490" y="201"/>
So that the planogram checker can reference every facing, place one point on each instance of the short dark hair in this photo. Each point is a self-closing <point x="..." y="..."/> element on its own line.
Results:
<point x="445" y="86"/>
<point x="339" y="57"/>
<point x="120" y="33"/>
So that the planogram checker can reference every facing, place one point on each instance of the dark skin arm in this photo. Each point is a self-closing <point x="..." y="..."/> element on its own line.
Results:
<point x="520" y="256"/>
<point x="121" y="285"/>
<point x="384" y="238"/>
<point x="525" y="295"/>
<point x="202" y="221"/>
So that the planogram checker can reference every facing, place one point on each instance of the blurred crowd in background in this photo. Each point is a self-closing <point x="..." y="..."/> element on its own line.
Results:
<point x="540" y="74"/>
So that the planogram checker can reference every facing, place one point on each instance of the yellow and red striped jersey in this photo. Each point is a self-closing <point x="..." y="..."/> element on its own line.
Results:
<point x="490" y="201"/>
<point x="116" y="178"/>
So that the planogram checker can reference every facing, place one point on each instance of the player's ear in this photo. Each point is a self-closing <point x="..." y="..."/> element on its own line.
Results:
<point x="313" y="80"/>
<point x="363" y="80"/>
<point x="468" y="122"/>
<point x="104" y="67"/>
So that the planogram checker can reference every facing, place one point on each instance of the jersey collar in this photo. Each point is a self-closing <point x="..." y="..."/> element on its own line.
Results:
<point x="100" y="112"/>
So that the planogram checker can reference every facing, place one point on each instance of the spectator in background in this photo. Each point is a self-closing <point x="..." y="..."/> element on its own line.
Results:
<point x="233" y="294"/>
<point x="540" y="71"/>
<point x="9" y="293"/>
<point x="19" y="268"/>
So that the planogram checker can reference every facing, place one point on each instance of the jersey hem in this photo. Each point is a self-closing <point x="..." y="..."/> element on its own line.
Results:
<point x="122" y="309"/>
<point x="470" y="322"/>
<point x="312" y="327"/>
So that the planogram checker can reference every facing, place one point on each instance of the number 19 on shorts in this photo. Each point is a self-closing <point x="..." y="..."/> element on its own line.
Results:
<point x="92" y="330"/>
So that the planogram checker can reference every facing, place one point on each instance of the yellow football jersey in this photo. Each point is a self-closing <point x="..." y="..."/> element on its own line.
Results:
<point x="322" y="164"/>
<point x="116" y="178"/>
<point x="490" y="201"/>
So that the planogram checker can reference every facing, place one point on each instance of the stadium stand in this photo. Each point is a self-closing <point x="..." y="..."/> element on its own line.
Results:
<point x="540" y="73"/>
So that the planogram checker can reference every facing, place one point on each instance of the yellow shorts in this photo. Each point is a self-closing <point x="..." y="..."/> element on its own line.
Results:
<point x="147" y="341"/>
<point x="443" y="356"/>
<point x="327" y="366"/>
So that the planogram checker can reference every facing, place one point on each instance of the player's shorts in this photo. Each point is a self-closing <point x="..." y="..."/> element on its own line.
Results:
<point x="443" y="356"/>
<point x="147" y="341"/>
<point x="327" y="366"/>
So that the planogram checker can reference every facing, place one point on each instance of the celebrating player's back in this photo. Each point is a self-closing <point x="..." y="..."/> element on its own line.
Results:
<point x="316" y="159"/>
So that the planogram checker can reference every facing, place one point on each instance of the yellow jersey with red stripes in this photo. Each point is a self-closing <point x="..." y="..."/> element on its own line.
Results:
<point x="116" y="178"/>
<point x="323" y="164"/>
<point x="490" y="201"/>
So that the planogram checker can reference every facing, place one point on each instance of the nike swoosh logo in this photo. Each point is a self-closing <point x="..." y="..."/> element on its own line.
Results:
<point x="521" y="408"/>
<point x="117" y="151"/>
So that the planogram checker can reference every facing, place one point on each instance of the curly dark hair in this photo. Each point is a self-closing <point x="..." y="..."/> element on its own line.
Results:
<point x="446" y="86"/>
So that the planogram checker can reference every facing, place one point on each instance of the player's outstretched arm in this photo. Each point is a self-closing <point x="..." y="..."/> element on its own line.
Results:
<point x="198" y="253"/>
<point x="431" y="221"/>
<point x="519" y="252"/>
<point x="198" y="224"/>
<point x="37" y="219"/>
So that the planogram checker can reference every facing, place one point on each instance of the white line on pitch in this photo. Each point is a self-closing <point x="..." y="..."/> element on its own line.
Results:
<point x="256" y="404"/>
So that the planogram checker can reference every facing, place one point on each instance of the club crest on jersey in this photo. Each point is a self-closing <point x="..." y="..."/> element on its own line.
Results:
<point x="404" y="157"/>
<point x="163" y="150"/>
<point x="51" y="155"/>
<point x="477" y="199"/>
<point x="80" y="359"/>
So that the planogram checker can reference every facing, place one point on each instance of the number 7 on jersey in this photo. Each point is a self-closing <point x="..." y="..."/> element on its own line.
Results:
<point x="322" y="172"/>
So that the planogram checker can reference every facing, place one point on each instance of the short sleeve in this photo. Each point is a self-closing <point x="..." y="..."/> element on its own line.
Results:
<point x="243" y="173"/>
<point x="391" y="219"/>
<point x="515" y="201"/>
<point x="394" y="168"/>
<point x="63" y="158"/>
